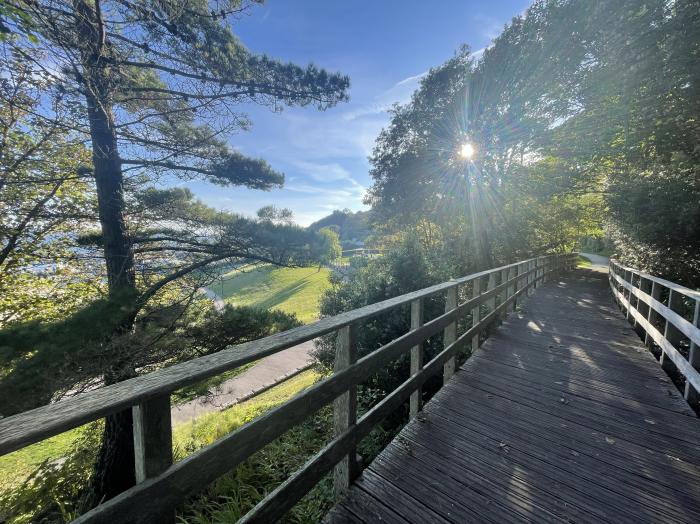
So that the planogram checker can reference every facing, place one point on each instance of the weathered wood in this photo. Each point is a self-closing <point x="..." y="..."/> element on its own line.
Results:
<point x="161" y="489"/>
<point x="153" y="444"/>
<point x="504" y="295"/>
<point x="207" y="464"/>
<point x="450" y="333"/>
<point x="671" y="333"/>
<point x="679" y="323"/>
<point x="32" y="426"/>
<point x="499" y="447"/>
<point x="153" y="439"/>
<point x="690" y="374"/>
<point x="476" y="312"/>
<point x="652" y="315"/>
<point x="691" y="394"/>
<point x="416" y="401"/>
<point x="345" y="409"/>
<point x="292" y="490"/>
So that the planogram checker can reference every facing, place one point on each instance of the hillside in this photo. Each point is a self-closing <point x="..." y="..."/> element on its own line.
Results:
<point x="292" y="290"/>
<point x="353" y="228"/>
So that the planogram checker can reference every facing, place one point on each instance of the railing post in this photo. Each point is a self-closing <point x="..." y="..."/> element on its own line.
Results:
<point x="476" y="312"/>
<point x="345" y="408"/>
<point x="670" y="332"/>
<point x="450" y="334"/>
<point x="503" y="295"/>
<point x="652" y="315"/>
<point x="690" y="394"/>
<point x="531" y="277"/>
<point x="513" y="273"/>
<point x="416" y="355"/>
<point x="153" y="443"/>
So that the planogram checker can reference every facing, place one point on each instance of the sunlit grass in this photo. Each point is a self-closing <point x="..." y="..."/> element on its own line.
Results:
<point x="292" y="290"/>
<point x="582" y="261"/>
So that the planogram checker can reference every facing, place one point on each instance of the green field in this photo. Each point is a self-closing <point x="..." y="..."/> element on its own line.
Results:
<point x="292" y="290"/>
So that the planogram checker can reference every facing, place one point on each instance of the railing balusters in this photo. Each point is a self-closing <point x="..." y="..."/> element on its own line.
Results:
<point x="345" y="408"/>
<point x="416" y="402"/>
<point x="670" y="332"/>
<point x="450" y="333"/>
<point x="643" y="308"/>
<point x="690" y="394"/>
<point x="162" y="485"/>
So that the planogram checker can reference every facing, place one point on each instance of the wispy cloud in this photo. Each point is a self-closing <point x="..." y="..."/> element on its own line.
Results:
<point x="399" y="93"/>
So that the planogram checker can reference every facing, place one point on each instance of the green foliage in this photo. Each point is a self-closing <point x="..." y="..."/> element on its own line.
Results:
<point x="405" y="267"/>
<point x="42" y="361"/>
<point x="331" y="241"/>
<point x="352" y="228"/>
<point x="55" y="492"/>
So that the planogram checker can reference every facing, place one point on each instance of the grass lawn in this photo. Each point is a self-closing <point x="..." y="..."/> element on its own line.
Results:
<point x="17" y="466"/>
<point x="292" y="290"/>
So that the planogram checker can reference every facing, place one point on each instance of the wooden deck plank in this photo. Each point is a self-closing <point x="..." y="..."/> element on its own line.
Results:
<point x="562" y="415"/>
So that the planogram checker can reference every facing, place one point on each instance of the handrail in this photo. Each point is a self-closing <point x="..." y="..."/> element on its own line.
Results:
<point x="41" y="423"/>
<point x="639" y="294"/>
<point x="161" y="484"/>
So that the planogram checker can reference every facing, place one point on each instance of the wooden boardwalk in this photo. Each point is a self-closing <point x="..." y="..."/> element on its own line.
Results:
<point x="562" y="416"/>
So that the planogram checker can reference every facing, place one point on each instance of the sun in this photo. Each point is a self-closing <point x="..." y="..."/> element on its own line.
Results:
<point x="466" y="151"/>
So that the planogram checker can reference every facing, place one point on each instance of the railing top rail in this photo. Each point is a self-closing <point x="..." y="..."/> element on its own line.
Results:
<point x="37" y="424"/>
<point x="690" y="293"/>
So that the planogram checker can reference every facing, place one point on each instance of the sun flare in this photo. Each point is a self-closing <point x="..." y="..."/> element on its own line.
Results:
<point x="466" y="151"/>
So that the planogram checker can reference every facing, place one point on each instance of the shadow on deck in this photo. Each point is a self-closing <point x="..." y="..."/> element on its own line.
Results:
<point x="562" y="415"/>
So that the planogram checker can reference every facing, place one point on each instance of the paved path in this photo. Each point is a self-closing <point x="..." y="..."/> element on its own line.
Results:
<point x="264" y="374"/>
<point x="562" y="416"/>
<point x="267" y="372"/>
<point x="598" y="262"/>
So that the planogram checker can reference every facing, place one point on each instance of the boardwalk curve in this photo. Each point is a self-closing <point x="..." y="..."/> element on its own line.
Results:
<point x="563" y="415"/>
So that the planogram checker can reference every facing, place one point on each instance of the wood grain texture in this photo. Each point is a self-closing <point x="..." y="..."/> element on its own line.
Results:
<point x="416" y="402"/>
<point x="563" y="415"/>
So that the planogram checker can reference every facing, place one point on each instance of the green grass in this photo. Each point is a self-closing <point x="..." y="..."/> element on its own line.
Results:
<point x="292" y="290"/>
<point x="17" y="466"/>
<point x="583" y="261"/>
<point x="59" y="487"/>
<point x="204" y="430"/>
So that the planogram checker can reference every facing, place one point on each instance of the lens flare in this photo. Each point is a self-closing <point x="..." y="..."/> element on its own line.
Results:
<point x="466" y="151"/>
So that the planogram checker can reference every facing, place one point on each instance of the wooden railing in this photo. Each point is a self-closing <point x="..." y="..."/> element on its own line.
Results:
<point x="162" y="484"/>
<point x="658" y="309"/>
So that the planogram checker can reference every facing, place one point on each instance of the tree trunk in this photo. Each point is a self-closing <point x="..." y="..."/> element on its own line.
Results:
<point x="115" y="464"/>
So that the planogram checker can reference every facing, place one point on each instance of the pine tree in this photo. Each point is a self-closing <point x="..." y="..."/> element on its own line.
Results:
<point x="158" y="84"/>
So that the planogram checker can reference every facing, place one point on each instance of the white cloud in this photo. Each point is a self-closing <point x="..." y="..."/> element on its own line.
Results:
<point x="399" y="93"/>
<point x="324" y="172"/>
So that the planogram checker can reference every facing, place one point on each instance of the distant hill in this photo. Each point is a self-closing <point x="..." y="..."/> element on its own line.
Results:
<point x="353" y="228"/>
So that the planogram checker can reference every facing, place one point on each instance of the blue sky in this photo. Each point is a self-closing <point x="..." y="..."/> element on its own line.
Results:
<point x="385" y="47"/>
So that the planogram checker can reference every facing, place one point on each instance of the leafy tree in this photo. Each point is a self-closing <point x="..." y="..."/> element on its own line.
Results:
<point x="275" y="215"/>
<point x="156" y="86"/>
<point x="43" y="200"/>
<point x="331" y="242"/>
